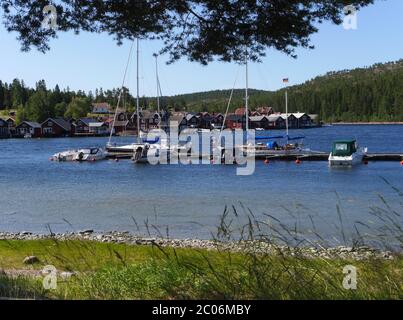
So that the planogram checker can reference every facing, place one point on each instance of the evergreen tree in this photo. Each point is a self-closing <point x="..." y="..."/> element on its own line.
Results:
<point x="78" y="108"/>
<point x="60" y="109"/>
<point x="1" y="95"/>
<point x="39" y="108"/>
<point x="7" y="96"/>
<point x="21" y="115"/>
<point x="17" y="93"/>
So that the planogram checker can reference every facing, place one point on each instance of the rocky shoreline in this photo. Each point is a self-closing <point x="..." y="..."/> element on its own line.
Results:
<point x="340" y="252"/>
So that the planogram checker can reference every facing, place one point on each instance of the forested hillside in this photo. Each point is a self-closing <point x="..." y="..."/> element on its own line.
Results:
<point x="365" y="94"/>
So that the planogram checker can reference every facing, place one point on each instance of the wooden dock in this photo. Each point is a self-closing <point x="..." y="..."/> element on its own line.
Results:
<point x="384" y="157"/>
<point x="294" y="157"/>
<point x="370" y="157"/>
<point x="315" y="156"/>
<point x="325" y="156"/>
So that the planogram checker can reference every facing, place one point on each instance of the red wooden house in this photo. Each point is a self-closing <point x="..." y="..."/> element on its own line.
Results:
<point x="235" y="121"/>
<point x="4" y="129"/>
<point x="29" y="129"/>
<point x="56" y="127"/>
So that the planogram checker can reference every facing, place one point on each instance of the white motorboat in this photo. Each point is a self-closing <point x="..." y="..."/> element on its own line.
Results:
<point x="81" y="155"/>
<point x="129" y="149"/>
<point x="346" y="153"/>
<point x="64" y="156"/>
<point x="90" y="154"/>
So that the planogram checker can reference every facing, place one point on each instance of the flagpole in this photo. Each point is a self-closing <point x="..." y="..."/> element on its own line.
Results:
<point x="158" y="90"/>
<point x="138" y="91"/>
<point x="286" y="111"/>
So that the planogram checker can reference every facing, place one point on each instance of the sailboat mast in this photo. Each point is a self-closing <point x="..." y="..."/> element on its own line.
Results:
<point x="158" y="90"/>
<point x="138" y="91"/>
<point x="246" y="90"/>
<point x="121" y="92"/>
<point x="158" y="83"/>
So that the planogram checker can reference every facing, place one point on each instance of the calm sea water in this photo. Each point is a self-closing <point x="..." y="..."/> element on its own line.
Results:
<point x="108" y="195"/>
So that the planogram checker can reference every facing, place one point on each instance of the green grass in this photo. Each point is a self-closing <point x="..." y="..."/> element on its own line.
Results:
<point x="5" y="113"/>
<point x="69" y="255"/>
<point x="112" y="271"/>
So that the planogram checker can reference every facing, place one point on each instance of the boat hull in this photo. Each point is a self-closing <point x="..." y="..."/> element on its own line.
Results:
<point x="354" y="159"/>
<point x="66" y="156"/>
<point x="83" y="155"/>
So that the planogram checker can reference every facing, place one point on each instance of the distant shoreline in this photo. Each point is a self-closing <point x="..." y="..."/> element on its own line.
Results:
<point x="365" y="123"/>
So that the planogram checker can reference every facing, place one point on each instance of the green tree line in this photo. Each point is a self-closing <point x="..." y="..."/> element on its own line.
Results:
<point x="366" y="94"/>
<point x="374" y="93"/>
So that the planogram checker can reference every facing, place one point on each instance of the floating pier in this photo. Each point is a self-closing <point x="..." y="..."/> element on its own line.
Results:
<point x="325" y="156"/>
<point x="384" y="157"/>
<point x="314" y="156"/>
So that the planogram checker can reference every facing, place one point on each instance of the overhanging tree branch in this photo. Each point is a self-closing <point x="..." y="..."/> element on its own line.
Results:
<point x="219" y="29"/>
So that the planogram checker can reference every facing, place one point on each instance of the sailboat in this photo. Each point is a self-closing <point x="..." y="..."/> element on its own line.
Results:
<point x="142" y="143"/>
<point x="157" y="145"/>
<point x="271" y="145"/>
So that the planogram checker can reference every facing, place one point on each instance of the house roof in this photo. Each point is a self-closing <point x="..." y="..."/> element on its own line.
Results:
<point x="61" y="122"/>
<point x="148" y="114"/>
<point x="299" y="115"/>
<point x="284" y="115"/>
<point x="120" y="123"/>
<point x="190" y="116"/>
<point x="204" y="114"/>
<point x="235" y="117"/>
<point x="87" y="121"/>
<point x="274" y="117"/>
<point x="257" y="118"/>
<point x="35" y="125"/>
<point x="216" y="115"/>
<point x="97" y="124"/>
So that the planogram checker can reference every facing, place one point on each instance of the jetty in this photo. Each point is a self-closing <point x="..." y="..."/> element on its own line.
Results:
<point x="308" y="156"/>
<point x="325" y="156"/>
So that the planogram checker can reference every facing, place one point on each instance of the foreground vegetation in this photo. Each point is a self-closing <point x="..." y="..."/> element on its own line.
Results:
<point x="112" y="271"/>
<point x="101" y="270"/>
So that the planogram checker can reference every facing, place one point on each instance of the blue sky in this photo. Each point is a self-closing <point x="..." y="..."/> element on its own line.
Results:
<point x="90" y="61"/>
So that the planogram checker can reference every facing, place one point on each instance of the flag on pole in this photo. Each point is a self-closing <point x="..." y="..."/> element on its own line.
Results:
<point x="285" y="80"/>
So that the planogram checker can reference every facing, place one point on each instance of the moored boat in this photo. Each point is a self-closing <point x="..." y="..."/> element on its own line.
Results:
<point x="90" y="154"/>
<point x="81" y="155"/>
<point x="346" y="153"/>
<point x="129" y="149"/>
<point x="64" y="156"/>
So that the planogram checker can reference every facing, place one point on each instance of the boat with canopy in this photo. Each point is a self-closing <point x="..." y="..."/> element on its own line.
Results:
<point x="346" y="153"/>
